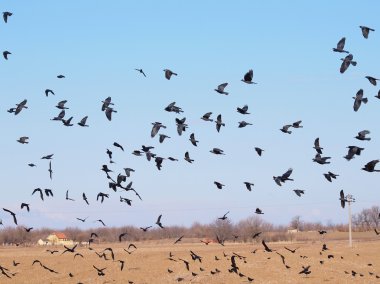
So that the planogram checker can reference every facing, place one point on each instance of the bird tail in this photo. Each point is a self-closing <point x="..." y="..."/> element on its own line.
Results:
<point x="353" y="63"/>
<point x="365" y="100"/>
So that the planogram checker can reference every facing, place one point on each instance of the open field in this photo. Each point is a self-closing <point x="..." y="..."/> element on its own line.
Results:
<point x="149" y="263"/>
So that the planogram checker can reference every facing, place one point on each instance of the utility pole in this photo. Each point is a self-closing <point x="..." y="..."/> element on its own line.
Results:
<point x="349" y="199"/>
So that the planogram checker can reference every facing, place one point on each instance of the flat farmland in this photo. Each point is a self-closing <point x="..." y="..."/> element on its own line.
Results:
<point x="150" y="262"/>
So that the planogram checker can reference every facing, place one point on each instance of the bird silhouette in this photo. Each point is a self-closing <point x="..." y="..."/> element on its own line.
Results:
<point x="5" y="54"/>
<point x="6" y="15"/>
<point x="169" y="74"/>
<point x="340" y="46"/>
<point x="299" y="192"/>
<point x="100" y="221"/>
<point x="48" y="91"/>
<point x="224" y="217"/>
<point x="248" y="185"/>
<point x="372" y="80"/>
<point x="266" y="248"/>
<point x="158" y="222"/>
<point x="141" y="71"/>
<point x="220" y="89"/>
<point x="258" y="211"/>
<point x="365" y="31"/>
<point x="25" y="205"/>
<point x="359" y="99"/>
<point x="13" y="215"/>
<point x="67" y="196"/>
<point x="248" y="77"/>
<point x="219" y="122"/>
<point x="218" y="184"/>
<point x="243" y="110"/>
<point x="83" y="122"/>
<point x="370" y="166"/>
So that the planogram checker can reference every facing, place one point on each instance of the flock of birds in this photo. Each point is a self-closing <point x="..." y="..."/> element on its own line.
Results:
<point x="118" y="181"/>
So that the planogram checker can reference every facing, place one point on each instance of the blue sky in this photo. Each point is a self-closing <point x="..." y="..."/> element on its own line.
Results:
<point x="97" y="45"/>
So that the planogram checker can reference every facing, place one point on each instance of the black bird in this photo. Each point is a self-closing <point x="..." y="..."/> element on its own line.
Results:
<point x="23" y="140"/>
<point x="126" y="200"/>
<point x="162" y="137"/>
<point x="330" y="175"/>
<point x="173" y="108"/>
<point x="141" y="71"/>
<point x="359" y="99"/>
<point x="193" y="140"/>
<point x="299" y="192"/>
<point x="28" y="229"/>
<point x="106" y="103"/>
<point x="67" y="122"/>
<point x="372" y="80"/>
<point x="15" y="263"/>
<point x="128" y="171"/>
<point x="20" y="107"/>
<point x="365" y="31"/>
<point x="169" y="73"/>
<point x="60" y="116"/>
<point x="340" y="46"/>
<point x="259" y="151"/>
<point x="50" y="171"/>
<point x="187" y="158"/>
<point x="5" y="54"/>
<point x="111" y="251"/>
<point x="297" y="124"/>
<point x="48" y="192"/>
<point x="102" y="196"/>
<point x="106" y="169"/>
<point x="158" y="161"/>
<point x="370" y="166"/>
<point x="219" y="122"/>
<point x="82" y="220"/>
<point x="243" y="124"/>
<point x="322" y="232"/>
<point x="186" y="263"/>
<point x="243" y="110"/>
<point x="206" y="116"/>
<point x="121" y="264"/>
<point x="6" y="15"/>
<point x="217" y="151"/>
<point x="342" y="198"/>
<point x="158" y="222"/>
<point x="12" y="213"/>
<point x="179" y="239"/>
<point x="100" y="221"/>
<point x="224" y="216"/>
<point x="156" y="127"/>
<point x="362" y="135"/>
<point x="248" y="77"/>
<point x="67" y="196"/>
<point x="378" y="95"/>
<point x="248" y="185"/>
<point x="352" y="151"/>
<point x="61" y="76"/>
<point x="40" y="191"/>
<point x="78" y="254"/>
<point x="258" y="211"/>
<point x="284" y="177"/>
<point x="317" y="147"/>
<point x="67" y="249"/>
<point x="61" y="105"/>
<point x="291" y="250"/>
<point x="305" y="270"/>
<point x="83" y="122"/>
<point x="100" y="270"/>
<point x="25" y="205"/>
<point x="47" y="91"/>
<point x="32" y="165"/>
<point x="85" y="198"/>
<point x="218" y="184"/>
<point x="266" y="247"/>
<point x="321" y="160"/>
<point x="122" y="235"/>
<point x="108" y="112"/>
<point x="220" y="89"/>
<point x="118" y="145"/>
<point x="377" y="233"/>
<point x="145" y="228"/>
<point x="285" y="129"/>
<point x="347" y="61"/>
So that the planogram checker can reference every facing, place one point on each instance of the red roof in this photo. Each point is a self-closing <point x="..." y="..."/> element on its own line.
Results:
<point x="60" y="235"/>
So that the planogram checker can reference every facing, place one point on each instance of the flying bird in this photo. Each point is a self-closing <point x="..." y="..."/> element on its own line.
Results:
<point x="248" y="77"/>
<point x="285" y="129"/>
<point x="267" y="249"/>
<point x="141" y="71"/>
<point x="330" y="175"/>
<point x="169" y="73"/>
<point x="101" y="221"/>
<point x="347" y="61"/>
<point x="370" y="166"/>
<point x="25" y="205"/>
<point x="340" y="46"/>
<point x="67" y="196"/>
<point x="224" y="217"/>
<point x="219" y="122"/>
<point x="156" y="127"/>
<point x="5" y="54"/>
<point x="284" y="177"/>
<point x="61" y="76"/>
<point x="299" y="192"/>
<point x="20" y="107"/>
<point x="372" y="80"/>
<point x="359" y="99"/>
<point x="158" y="222"/>
<point x="50" y="170"/>
<point x="40" y="191"/>
<point x="85" y="198"/>
<point x="48" y="91"/>
<point x="218" y="184"/>
<point x="83" y="122"/>
<point x="6" y="15"/>
<point x="220" y="89"/>
<point x="13" y="215"/>
<point x="362" y="135"/>
<point x="342" y="199"/>
<point x="248" y="185"/>
<point x="206" y="116"/>
<point x="187" y="158"/>
<point x="23" y="140"/>
<point x="118" y="145"/>
<point x="243" y="124"/>
<point x="217" y="151"/>
<point x="258" y="211"/>
<point x="193" y="140"/>
<point x="365" y="31"/>
<point x="321" y="160"/>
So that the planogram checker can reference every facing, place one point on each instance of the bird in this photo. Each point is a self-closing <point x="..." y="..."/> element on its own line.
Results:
<point x="20" y="107"/>
<point x="365" y="31"/>
<point x="218" y="184"/>
<point x="179" y="239"/>
<point x="224" y="217"/>
<point x="100" y="271"/>
<point x="102" y="196"/>
<point x="28" y="229"/>
<point x="48" y="91"/>
<point x="60" y="116"/>
<point x="321" y="160"/>
<point x="108" y="112"/>
<point x="217" y="151"/>
<point x="291" y="250"/>
<point x="187" y="158"/>
<point x="13" y="215"/>
<point x="243" y="124"/>
<point x="220" y="89"/>
<point x="347" y="61"/>
<point x="158" y="161"/>
<point x="219" y="122"/>
<point x="122" y="235"/>
<point x="340" y="46"/>
<point x="258" y="211"/>
<point x="181" y="125"/>
<point x="48" y="192"/>
<point x="162" y="137"/>
<point x="40" y="191"/>
<point x="248" y="77"/>
<point x="6" y="15"/>
<point x="141" y="71"/>
<point x="169" y="73"/>
<point x="67" y="249"/>
<point x="82" y="220"/>
<point x="67" y="196"/>
<point x="297" y="124"/>
<point x="101" y="221"/>
<point x="158" y="222"/>
<point x="25" y="205"/>
<point x="126" y="200"/>
<point x="5" y="54"/>
<point x="378" y="95"/>
<point x="50" y="170"/>
<point x="248" y="185"/>
<point x="156" y="127"/>
<point x="299" y="192"/>
<point x="284" y="177"/>
<point x="372" y="80"/>
<point x="321" y="232"/>
<point x="83" y="122"/>
<point x="173" y="108"/>
<point x="61" y="105"/>
<point x="285" y="129"/>
<point x="317" y="147"/>
<point x="255" y="235"/>
<point x="85" y="198"/>
<point x="342" y="198"/>
<point x="67" y="122"/>
<point x="243" y="110"/>
<point x="362" y="135"/>
<point x="330" y="175"/>
<point x="267" y="249"/>
<point x="359" y="99"/>
<point x="370" y="166"/>
<point x="61" y="76"/>
<point x="32" y="165"/>
<point x="206" y="116"/>
<point x="145" y="228"/>
<point x="352" y="151"/>
<point x="305" y="270"/>
<point x="193" y="140"/>
<point x="23" y="140"/>
<point x="118" y="145"/>
<point x="377" y="232"/>
<point x="259" y="151"/>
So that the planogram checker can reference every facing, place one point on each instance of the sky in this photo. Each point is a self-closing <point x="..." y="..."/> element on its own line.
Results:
<point x="98" y="44"/>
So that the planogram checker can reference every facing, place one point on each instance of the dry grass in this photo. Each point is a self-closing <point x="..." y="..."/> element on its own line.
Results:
<point x="149" y="263"/>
